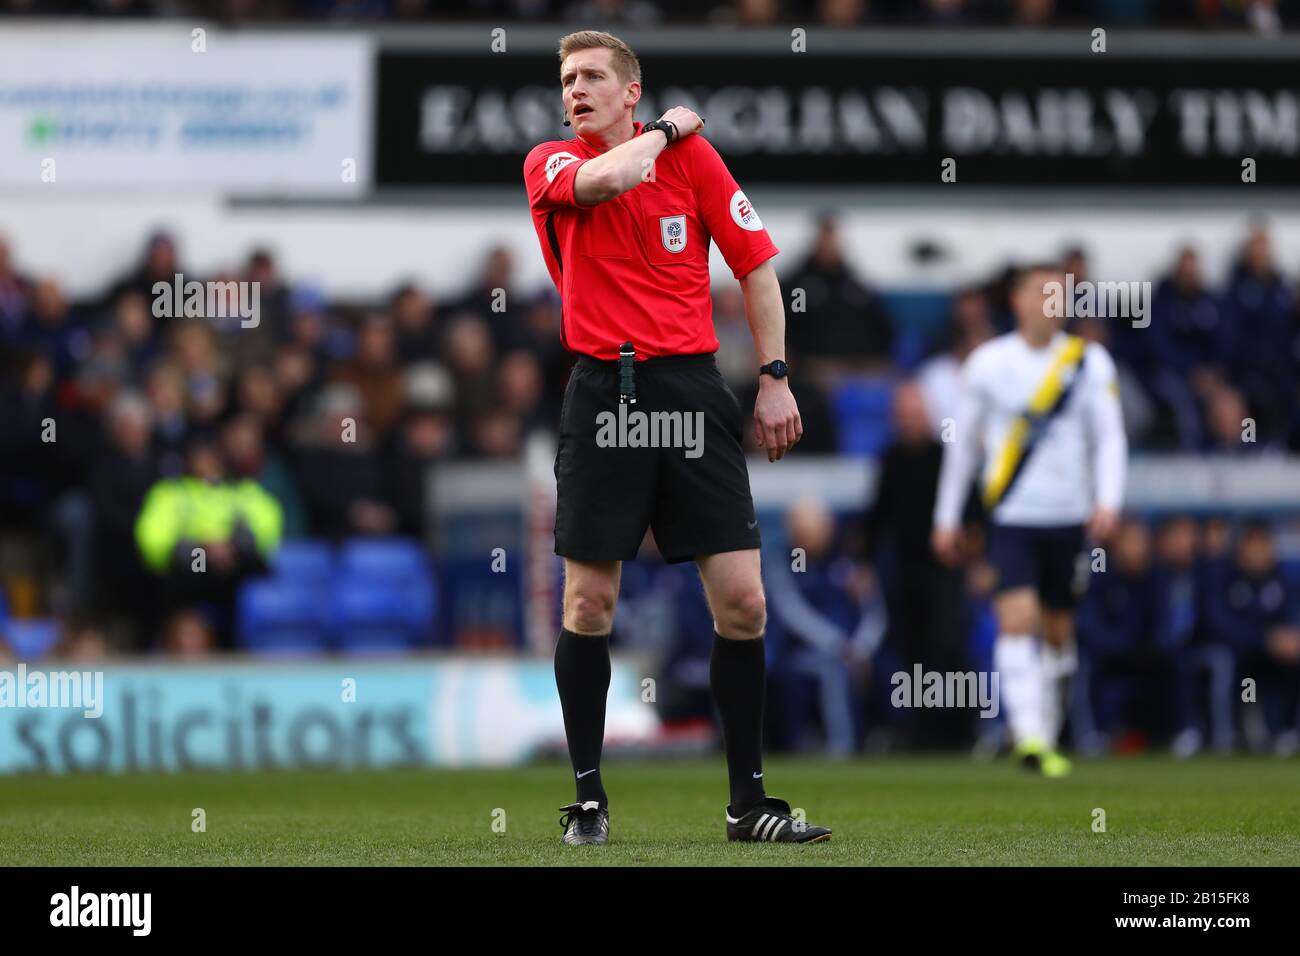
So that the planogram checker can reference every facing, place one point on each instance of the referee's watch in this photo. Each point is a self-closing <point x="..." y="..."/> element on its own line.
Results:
<point x="775" y="368"/>
<point x="664" y="126"/>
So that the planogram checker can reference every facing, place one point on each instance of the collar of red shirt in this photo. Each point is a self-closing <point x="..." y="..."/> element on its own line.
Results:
<point x="636" y="131"/>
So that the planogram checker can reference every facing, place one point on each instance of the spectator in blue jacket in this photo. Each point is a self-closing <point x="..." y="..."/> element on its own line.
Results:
<point x="1116" y="622"/>
<point x="1198" y="671"/>
<point x="662" y="613"/>
<point x="830" y="615"/>
<point x="1178" y="355"/>
<point x="1258" y="309"/>
<point x="1256" y="612"/>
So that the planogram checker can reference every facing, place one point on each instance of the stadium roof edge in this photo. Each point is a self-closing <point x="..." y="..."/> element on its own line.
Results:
<point x="882" y="42"/>
<point x="968" y="42"/>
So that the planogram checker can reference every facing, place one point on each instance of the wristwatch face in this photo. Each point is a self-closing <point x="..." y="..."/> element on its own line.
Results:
<point x="776" y="368"/>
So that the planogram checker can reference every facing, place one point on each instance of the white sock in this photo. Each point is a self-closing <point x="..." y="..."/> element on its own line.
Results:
<point x="1058" y="663"/>
<point x="1015" y="657"/>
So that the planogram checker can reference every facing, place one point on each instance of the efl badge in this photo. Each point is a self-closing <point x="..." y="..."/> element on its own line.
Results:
<point x="672" y="233"/>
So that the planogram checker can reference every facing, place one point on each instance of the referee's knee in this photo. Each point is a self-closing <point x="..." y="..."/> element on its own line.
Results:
<point x="589" y="610"/>
<point x="742" y="615"/>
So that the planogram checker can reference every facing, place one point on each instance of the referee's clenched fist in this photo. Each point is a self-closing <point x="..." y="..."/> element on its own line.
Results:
<point x="650" y="434"/>
<point x="684" y="121"/>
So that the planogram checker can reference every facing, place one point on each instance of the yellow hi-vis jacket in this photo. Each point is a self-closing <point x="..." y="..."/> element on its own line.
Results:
<point x="190" y="509"/>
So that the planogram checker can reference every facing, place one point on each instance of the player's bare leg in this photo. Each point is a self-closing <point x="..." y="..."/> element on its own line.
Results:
<point x="582" y="677"/>
<point x="733" y="585"/>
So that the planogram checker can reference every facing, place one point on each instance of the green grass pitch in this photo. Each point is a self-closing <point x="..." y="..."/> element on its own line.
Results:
<point x="897" y="810"/>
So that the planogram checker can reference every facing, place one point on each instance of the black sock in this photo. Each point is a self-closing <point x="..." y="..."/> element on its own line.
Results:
<point x="582" y="677"/>
<point x="737" y="674"/>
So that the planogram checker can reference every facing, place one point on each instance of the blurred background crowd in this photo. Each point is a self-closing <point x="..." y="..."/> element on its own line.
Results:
<point x="186" y="487"/>
<point x="1265" y="16"/>
<point x="131" y="443"/>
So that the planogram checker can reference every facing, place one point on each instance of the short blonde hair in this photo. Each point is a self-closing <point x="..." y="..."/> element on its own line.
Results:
<point x="625" y="62"/>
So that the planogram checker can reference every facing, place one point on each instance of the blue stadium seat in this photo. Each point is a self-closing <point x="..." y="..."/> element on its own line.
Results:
<point x="283" y="617"/>
<point x="862" y="416"/>
<point x="304" y="561"/>
<point x="374" y="616"/>
<point x="30" y="638"/>
<point x="910" y="348"/>
<point x="385" y="559"/>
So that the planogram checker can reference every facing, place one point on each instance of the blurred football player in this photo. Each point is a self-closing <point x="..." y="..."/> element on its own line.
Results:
<point x="1041" y="407"/>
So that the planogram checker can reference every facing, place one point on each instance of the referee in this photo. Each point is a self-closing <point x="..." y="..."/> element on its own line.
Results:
<point x="650" y="434"/>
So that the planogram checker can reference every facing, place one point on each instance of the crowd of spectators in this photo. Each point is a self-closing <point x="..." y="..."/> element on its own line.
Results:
<point x="1188" y="614"/>
<point x="337" y="411"/>
<point x="130" y="440"/>
<point x="1189" y="635"/>
<point x="1265" y="16"/>
<point x="1208" y="370"/>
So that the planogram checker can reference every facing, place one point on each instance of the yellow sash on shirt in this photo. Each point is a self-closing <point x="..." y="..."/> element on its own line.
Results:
<point x="1021" y="436"/>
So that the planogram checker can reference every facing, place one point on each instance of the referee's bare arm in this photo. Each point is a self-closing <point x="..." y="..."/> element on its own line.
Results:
<point x="614" y="172"/>
<point x="777" y="425"/>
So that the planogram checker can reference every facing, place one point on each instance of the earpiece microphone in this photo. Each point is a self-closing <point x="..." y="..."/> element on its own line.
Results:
<point x="566" y="121"/>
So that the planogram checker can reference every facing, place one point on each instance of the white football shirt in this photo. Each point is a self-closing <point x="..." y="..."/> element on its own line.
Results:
<point x="1048" y="468"/>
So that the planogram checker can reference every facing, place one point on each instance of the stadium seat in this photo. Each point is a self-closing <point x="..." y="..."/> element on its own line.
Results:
<point x="283" y="617"/>
<point x="304" y="561"/>
<point x="31" y="638"/>
<point x="374" y="616"/>
<point x="388" y="559"/>
<point x="861" y="408"/>
<point x="385" y="596"/>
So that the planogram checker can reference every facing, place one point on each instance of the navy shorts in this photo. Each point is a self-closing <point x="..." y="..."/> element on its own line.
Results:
<point x="691" y="488"/>
<point x="1051" y="560"/>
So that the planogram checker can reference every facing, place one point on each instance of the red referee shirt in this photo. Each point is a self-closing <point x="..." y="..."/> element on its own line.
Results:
<point x="636" y="268"/>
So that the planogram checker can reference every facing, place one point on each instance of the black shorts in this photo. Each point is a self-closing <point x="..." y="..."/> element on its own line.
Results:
<point x="612" y="482"/>
<point x="1049" y="559"/>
